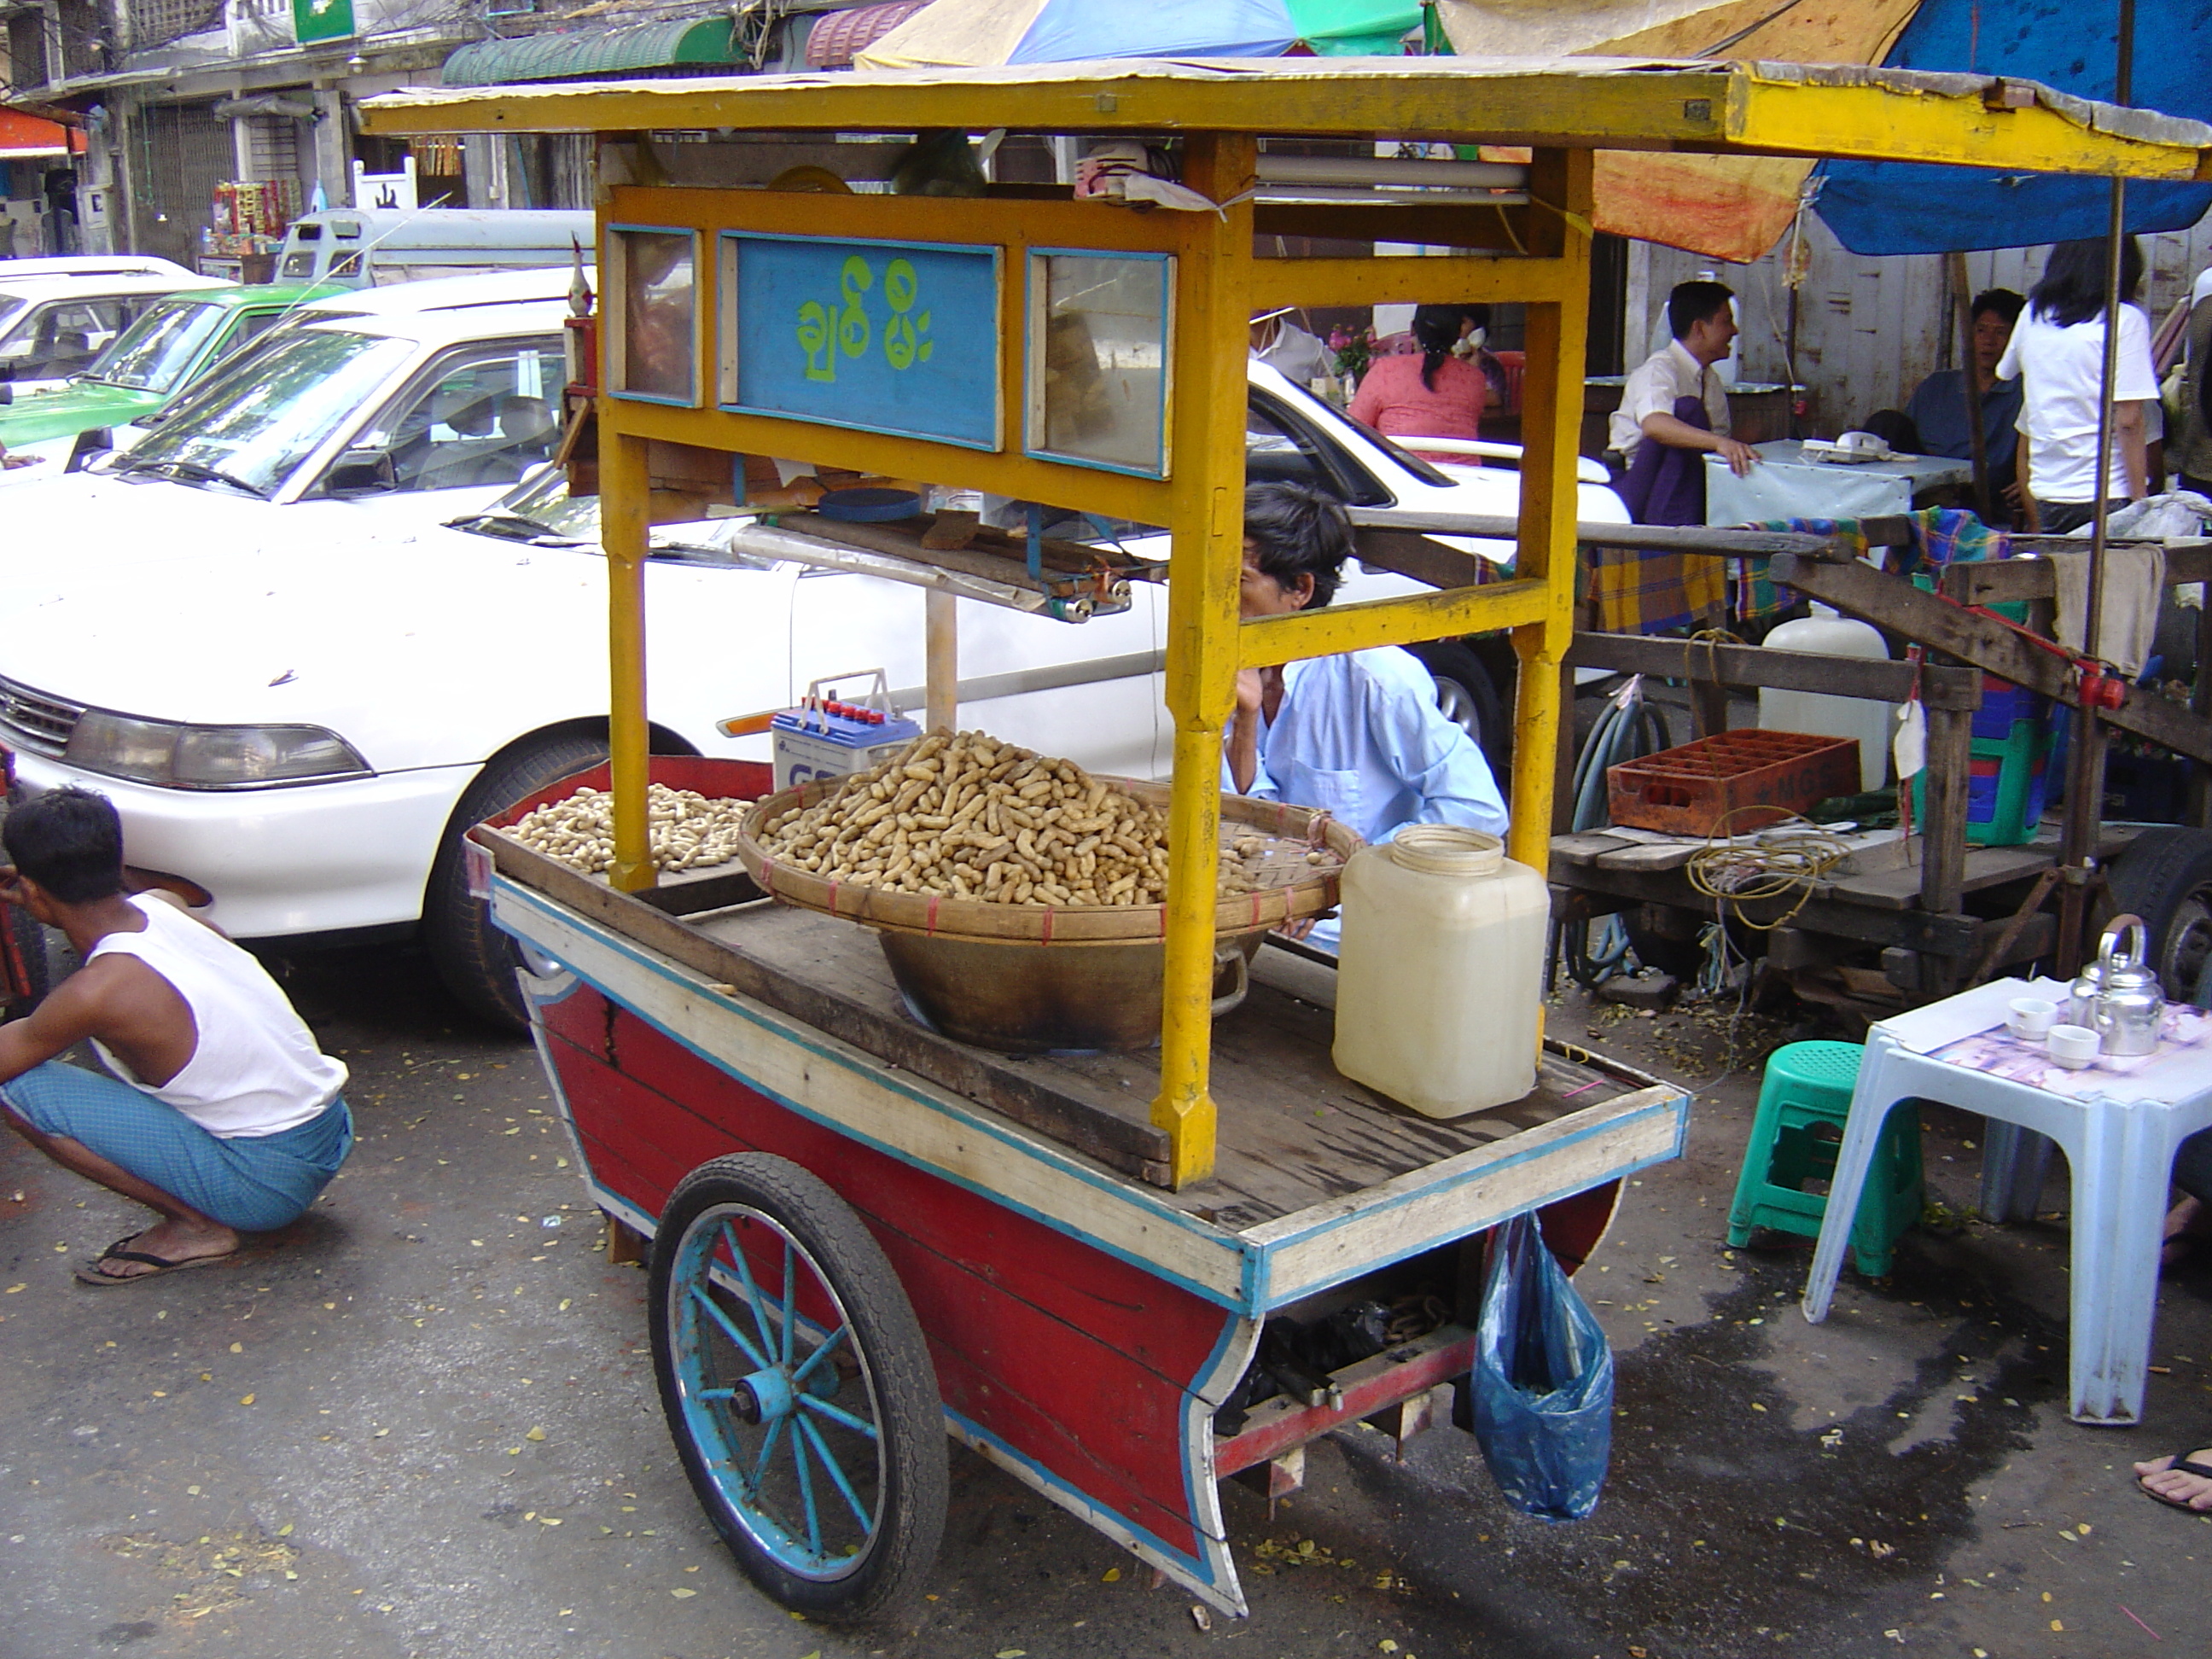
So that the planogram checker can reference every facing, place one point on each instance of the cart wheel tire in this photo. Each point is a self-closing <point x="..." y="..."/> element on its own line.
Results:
<point x="1468" y="699"/>
<point x="2165" y="876"/>
<point x="475" y="959"/>
<point x="30" y="942"/>
<point x="762" y="1408"/>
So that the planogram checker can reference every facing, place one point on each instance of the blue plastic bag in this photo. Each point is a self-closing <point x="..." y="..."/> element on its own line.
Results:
<point x="1542" y="1385"/>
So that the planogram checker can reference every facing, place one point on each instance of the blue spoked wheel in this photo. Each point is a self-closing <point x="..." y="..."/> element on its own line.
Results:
<point x="798" y="1387"/>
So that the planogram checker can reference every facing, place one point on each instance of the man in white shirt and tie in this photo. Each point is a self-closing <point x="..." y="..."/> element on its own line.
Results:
<point x="1674" y="401"/>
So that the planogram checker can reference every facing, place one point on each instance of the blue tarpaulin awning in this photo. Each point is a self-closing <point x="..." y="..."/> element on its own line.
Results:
<point x="1898" y="207"/>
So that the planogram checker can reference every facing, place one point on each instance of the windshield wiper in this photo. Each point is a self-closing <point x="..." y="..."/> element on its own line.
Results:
<point x="508" y="526"/>
<point x="192" y="471"/>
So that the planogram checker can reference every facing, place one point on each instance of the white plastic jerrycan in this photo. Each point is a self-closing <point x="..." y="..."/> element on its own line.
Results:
<point x="1821" y="713"/>
<point x="1439" y="997"/>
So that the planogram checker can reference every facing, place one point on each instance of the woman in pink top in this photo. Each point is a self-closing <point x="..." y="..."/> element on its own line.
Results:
<point x="1434" y="395"/>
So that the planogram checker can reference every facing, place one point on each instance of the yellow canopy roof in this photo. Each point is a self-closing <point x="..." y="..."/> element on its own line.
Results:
<point x="1732" y="206"/>
<point x="1603" y="103"/>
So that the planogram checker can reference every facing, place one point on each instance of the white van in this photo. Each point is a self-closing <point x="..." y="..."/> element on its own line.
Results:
<point x="371" y="248"/>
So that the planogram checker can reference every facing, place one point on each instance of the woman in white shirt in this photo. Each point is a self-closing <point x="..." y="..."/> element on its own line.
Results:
<point x="2058" y="352"/>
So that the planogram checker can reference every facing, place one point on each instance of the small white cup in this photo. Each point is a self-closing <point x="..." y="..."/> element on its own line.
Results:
<point x="2074" y="1047"/>
<point x="2030" y="1018"/>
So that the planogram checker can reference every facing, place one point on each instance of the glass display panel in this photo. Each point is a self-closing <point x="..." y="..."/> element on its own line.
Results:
<point x="659" y="315"/>
<point x="1100" y="332"/>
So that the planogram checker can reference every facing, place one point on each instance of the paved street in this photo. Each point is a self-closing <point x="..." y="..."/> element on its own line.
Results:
<point x="423" y="1422"/>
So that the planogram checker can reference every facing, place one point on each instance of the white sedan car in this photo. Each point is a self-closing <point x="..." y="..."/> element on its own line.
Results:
<point x="321" y="624"/>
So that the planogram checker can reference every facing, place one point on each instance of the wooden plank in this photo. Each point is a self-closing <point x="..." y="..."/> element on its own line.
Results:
<point x="1504" y="228"/>
<point x="1587" y="847"/>
<point x="1650" y="855"/>
<point x="1274" y="1427"/>
<point x="1859" y="590"/>
<point x="1133" y="1147"/>
<point x="1423" y="559"/>
<point x="1784" y="670"/>
<point x="1944" y="835"/>
<point x="1899" y="889"/>
<point x="1327" y="1244"/>
<point x="1645" y="537"/>
<point x="1826" y="912"/>
<point x="1334" y="628"/>
<point x="2018" y="578"/>
<point x="1438" y="280"/>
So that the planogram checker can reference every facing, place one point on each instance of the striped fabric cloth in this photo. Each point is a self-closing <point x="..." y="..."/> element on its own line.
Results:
<point x="255" y="1183"/>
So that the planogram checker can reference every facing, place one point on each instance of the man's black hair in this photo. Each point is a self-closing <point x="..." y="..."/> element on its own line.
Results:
<point x="1298" y="531"/>
<point x="1692" y="303"/>
<point x="2073" y="286"/>
<point x="69" y="842"/>
<point x="2001" y="301"/>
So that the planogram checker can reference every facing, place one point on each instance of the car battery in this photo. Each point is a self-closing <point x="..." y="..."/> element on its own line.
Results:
<point x="825" y="737"/>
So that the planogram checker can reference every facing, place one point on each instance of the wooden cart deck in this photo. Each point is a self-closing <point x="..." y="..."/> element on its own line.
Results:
<point x="1294" y="1133"/>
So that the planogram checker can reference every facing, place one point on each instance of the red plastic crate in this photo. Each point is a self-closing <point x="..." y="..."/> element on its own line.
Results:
<point x="1732" y="781"/>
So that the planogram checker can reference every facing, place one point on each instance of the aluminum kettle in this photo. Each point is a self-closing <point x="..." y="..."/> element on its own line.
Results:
<point x="2119" y="995"/>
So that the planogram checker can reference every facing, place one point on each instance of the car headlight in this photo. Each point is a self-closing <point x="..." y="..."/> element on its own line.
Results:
<point x="210" y="757"/>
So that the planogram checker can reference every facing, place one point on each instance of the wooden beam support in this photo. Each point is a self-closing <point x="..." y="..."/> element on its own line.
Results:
<point x="1858" y="591"/>
<point x="1943" y="819"/>
<point x="1783" y="671"/>
<point x="2002" y="581"/>
<point x="1504" y="228"/>
<point x="1441" y="615"/>
<point x="1438" y="280"/>
<point x="1643" y="538"/>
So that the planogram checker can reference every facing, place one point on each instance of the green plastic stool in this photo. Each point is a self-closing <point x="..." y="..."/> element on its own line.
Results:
<point x="1808" y="1088"/>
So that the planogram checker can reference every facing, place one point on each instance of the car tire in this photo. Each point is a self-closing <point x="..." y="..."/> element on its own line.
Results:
<point x="1469" y="700"/>
<point x="476" y="960"/>
<point x="2165" y="876"/>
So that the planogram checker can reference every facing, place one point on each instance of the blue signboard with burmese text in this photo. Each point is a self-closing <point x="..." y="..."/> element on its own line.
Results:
<point x="883" y="337"/>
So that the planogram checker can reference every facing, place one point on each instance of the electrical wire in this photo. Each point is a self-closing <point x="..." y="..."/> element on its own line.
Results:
<point x="1774" y="867"/>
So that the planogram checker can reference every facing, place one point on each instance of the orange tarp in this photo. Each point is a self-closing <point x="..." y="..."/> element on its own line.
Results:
<point x="1728" y="207"/>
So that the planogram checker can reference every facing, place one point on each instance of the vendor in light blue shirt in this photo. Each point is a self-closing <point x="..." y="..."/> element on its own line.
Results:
<point x="1359" y="734"/>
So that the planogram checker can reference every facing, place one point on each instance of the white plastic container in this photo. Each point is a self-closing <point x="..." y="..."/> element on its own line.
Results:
<point x="1826" y="634"/>
<point x="1440" y="970"/>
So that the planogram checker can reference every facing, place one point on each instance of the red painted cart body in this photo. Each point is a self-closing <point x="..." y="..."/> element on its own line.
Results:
<point x="1084" y="1325"/>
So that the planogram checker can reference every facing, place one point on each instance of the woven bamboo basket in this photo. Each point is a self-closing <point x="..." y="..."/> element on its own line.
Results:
<point x="1033" y="978"/>
<point x="929" y="914"/>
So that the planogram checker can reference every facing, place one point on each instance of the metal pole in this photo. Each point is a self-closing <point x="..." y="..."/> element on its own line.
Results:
<point x="2085" y="783"/>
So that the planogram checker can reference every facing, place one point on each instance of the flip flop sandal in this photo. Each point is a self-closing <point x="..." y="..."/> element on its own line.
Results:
<point x="161" y="1266"/>
<point x="2182" y="1462"/>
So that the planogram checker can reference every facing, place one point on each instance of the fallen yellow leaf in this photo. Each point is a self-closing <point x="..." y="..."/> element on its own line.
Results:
<point x="1112" y="1575"/>
<point x="564" y="1303"/>
<point x="245" y="1399"/>
<point x="683" y="1594"/>
<point x="284" y="1531"/>
<point x="535" y="1434"/>
<point x="12" y="1289"/>
<point x="238" y="1347"/>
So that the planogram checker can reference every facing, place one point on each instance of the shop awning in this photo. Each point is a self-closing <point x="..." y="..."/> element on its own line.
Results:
<point x="31" y="138"/>
<point x="841" y="36"/>
<point x="677" y="46"/>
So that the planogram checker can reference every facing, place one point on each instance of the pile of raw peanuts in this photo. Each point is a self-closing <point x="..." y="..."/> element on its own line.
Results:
<point x="970" y="817"/>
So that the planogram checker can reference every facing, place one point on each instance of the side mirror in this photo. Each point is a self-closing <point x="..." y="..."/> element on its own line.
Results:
<point x="361" y="472"/>
<point x="94" y="441"/>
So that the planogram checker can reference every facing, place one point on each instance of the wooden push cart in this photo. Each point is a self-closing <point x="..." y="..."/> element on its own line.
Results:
<point x="865" y="1234"/>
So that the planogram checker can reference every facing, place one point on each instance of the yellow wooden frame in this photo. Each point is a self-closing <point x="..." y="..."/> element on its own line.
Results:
<point x="1564" y="110"/>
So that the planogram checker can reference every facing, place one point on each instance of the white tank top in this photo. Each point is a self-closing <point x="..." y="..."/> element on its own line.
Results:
<point x="256" y="1069"/>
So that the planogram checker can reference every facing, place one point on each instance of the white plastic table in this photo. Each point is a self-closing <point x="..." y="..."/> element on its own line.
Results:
<point x="2118" y="1134"/>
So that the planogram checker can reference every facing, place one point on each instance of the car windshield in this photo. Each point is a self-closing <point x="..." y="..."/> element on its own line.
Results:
<point x="261" y="414"/>
<point x="542" y="500"/>
<point x="153" y="353"/>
